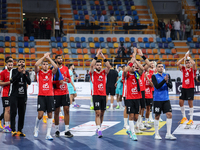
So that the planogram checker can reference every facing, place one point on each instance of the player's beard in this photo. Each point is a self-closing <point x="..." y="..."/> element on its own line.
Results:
<point x="98" y="70"/>
<point x="59" y="63"/>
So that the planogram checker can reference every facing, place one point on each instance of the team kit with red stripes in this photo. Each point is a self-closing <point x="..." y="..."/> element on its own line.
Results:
<point x="145" y="88"/>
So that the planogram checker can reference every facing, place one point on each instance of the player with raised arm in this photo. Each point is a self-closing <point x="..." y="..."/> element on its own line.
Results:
<point x="187" y="91"/>
<point x="61" y="95"/>
<point x="5" y="83"/>
<point x="45" y="100"/>
<point x="99" y="89"/>
<point x="162" y="82"/>
<point x="133" y="94"/>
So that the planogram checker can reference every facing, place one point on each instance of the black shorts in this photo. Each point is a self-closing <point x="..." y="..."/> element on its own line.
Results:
<point x="163" y="106"/>
<point x="187" y="94"/>
<point x="110" y="90"/>
<point x="99" y="102"/>
<point x="132" y="106"/>
<point x="62" y="100"/>
<point x="5" y="102"/>
<point x="46" y="103"/>
<point x="149" y="102"/>
<point x="142" y="100"/>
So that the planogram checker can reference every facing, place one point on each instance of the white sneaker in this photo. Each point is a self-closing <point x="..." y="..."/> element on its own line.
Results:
<point x="141" y="127"/>
<point x="126" y="127"/>
<point x="49" y="137"/>
<point x="121" y="107"/>
<point x="160" y="119"/>
<point x="138" y="131"/>
<point x="36" y="132"/>
<point x="151" y="120"/>
<point x="170" y="137"/>
<point x="158" y="137"/>
<point x="147" y="125"/>
<point x="111" y="109"/>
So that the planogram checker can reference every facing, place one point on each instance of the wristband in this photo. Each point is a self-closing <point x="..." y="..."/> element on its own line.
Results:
<point x="95" y="58"/>
<point x="105" y="60"/>
<point x="144" y="57"/>
<point x="131" y="64"/>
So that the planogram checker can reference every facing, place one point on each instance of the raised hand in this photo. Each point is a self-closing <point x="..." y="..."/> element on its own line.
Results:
<point x="47" y="54"/>
<point x="140" y="52"/>
<point x="99" y="52"/>
<point x="166" y="78"/>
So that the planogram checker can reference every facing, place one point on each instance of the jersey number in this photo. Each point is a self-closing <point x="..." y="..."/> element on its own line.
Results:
<point x="129" y="109"/>
<point x="96" y="104"/>
<point x="157" y="109"/>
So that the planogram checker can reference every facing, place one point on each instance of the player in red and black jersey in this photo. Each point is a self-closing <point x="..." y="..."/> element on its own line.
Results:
<point x="45" y="94"/>
<point x="5" y="83"/>
<point x="98" y="78"/>
<point x="187" y="91"/>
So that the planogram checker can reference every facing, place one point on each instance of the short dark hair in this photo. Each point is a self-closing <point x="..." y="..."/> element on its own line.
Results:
<point x="57" y="56"/>
<point x="159" y="63"/>
<point x="123" y="66"/>
<point x="9" y="61"/>
<point x="98" y="61"/>
<point x="187" y="60"/>
<point x="111" y="64"/>
<point x="44" y="61"/>
<point x="21" y="59"/>
<point x="7" y="58"/>
<point x="69" y="65"/>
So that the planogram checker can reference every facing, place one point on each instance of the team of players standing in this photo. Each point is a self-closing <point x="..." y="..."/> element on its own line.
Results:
<point x="139" y="82"/>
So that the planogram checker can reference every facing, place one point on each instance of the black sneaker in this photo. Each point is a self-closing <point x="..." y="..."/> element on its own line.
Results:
<point x="68" y="134"/>
<point x="57" y="133"/>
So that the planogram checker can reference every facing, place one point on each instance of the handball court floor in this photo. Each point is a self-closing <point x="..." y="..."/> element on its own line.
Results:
<point x="114" y="136"/>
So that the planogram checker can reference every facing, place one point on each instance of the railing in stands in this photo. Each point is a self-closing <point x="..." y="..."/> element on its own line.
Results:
<point x="85" y="63"/>
<point x="22" y="22"/>
<point x="10" y="24"/>
<point x="112" y="27"/>
<point x="58" y="8"/>
<point x="152" y="10"/>
<point x="189" y="13"/>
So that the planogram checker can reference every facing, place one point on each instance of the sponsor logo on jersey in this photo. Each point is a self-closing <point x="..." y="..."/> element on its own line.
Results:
<point x="100" y="78"/>
<point x="45" y="86"/>
<point x="134" y="90"/>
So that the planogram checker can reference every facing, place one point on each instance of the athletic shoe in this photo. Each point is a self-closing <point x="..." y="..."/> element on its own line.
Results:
<point x="68" y="134"/>
<point x="117" y="107"/>
<point x="183" y="120"/>
<point x="49" y="137"/>
<point x="14" y="133"/>
<point x="160" y="119"/>
<point x="100" y="134"/>
<point x="126" y="127"/>
<point x="170" y="137"/>
<point x="111" y="109"/>
<point x="190" y="122"/>
<point x="1" y="125"/>
<point x="36" y="132"/>
<point x="57" y="133"/>
<point x="45" y="119"/>
<point x="121" y="107"/>
<point x="158" y="137"/>
<point x="134" y="137"/>
<point x="91" y="107"/>
<point x="7" y="129"/>
<point x="129" y="133"/>
<point x="151" y="120"/>
<point x="138" y="131"/>
<point x="141" y="127"/>
<point x="21" y="134"/>
<point x="77" y="106"/>
<point x="107" y="107"/>
<point x="147" y="125"/>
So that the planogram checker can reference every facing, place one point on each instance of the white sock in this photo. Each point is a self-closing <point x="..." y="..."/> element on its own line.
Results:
<point x="71" y="105"/>
<point x="98" y="127"/>
<point x="111" y="105"/>
<point x="125" y="122"/>
<point x="37" y="123"/>
<point x="74" y="103"/>
<point x="150" y="115"/>
<point x="57" y="127"/>
<point x="183" y="111"/>
<point x="137" y="123"/>
<point x="120" y="104"/>
<point x="6" y="123"/>
<point x="139" y="118"/>
<point x="131" y="126"/>
<point x="117" y="103"/>
<point x="49" y="125"/>
<point x="61" y="108"/>
<point x="169" y="125"/>
<point x="141" y="121"/>
<point x="191" y="113"/>
<point x="156" y="126"/>
<point x="146" y="120"/>
<point x="66" y="128"/>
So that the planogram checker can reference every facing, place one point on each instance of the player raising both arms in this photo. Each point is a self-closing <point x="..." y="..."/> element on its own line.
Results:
<point x="45" y="94"/>
<point x="99" y="89"/>
<point x="187" y="91"/>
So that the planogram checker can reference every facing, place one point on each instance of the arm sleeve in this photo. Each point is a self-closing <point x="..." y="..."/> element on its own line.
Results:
<point x="169" y="84"/>
<point x="27" y="78"/>
<point x="14" y="76"/>
<point x="155" y="83"/>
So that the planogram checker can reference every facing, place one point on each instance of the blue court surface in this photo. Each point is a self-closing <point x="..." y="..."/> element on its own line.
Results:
<point x="114" y="136"/>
